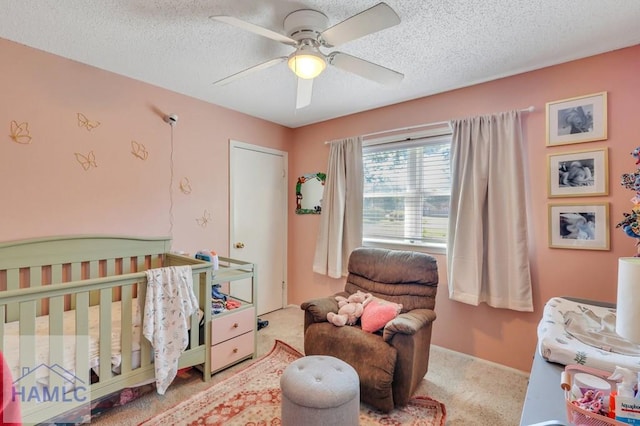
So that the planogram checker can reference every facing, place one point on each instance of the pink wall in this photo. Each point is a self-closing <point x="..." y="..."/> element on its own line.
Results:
<point x="45" y="191"/>
<point x="498" y="335"/>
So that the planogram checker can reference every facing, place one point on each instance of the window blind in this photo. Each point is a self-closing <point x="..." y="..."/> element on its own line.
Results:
<point x="407" y="188"/>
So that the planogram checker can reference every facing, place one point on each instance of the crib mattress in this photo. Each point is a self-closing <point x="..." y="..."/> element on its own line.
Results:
<point x="12" y="333"/>
<point x="557" y="344"/>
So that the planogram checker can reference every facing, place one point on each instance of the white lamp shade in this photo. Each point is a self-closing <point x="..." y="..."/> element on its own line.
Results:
<point x="628" y="300"/>
<point x="307" y="65"/>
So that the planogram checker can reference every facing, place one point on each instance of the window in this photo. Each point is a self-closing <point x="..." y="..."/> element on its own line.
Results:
<point x="407" y="188"/>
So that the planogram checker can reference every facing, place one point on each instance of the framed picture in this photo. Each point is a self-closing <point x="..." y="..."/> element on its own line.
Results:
<point x="579" y="226"/>
<point x="578" y="174"/>
<point x="575" y="120"/>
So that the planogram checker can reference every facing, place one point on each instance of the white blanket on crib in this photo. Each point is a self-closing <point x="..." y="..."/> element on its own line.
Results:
<point x="169" y="303"/>
<point x="12" y="341"/>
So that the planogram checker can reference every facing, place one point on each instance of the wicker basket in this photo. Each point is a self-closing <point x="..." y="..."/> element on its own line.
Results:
<point x="576" y="415"/>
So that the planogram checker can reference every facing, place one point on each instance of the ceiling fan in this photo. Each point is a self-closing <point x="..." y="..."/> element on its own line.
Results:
<point x="306" y="30"/>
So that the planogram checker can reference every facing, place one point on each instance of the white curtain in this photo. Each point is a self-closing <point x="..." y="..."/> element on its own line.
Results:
<point x="487" y="250"/>
<point x="341" y="215"/>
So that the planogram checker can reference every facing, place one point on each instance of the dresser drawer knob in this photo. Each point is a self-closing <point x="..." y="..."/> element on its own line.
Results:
<point x="235" y="350"/>
<point x="235" y="325"/>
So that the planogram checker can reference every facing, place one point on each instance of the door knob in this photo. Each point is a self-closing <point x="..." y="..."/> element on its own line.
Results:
<point x="239" y="245"/>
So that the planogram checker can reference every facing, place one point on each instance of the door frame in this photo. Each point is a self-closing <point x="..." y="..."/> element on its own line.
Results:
<point x="233" y="144"/>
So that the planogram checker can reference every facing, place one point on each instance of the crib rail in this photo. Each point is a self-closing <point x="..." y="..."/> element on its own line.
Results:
<point x="50" y="279"/>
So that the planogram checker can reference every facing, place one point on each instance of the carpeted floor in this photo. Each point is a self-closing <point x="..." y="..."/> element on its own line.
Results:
<point x="475" y="392"/>
<point x="252" y="396"/>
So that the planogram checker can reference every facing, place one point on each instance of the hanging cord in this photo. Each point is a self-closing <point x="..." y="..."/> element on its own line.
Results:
<point x="171" y="186"/>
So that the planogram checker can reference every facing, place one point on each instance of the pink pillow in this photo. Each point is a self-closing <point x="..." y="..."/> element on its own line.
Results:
<point x="378" y="313"/>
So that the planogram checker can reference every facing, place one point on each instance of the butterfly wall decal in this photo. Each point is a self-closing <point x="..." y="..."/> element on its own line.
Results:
<point x="185" y="185"/>
<point x="20" y="132"/>
<point x="205" y="219"/>
<point x="83" y="121"/>
<point x="139" y="150"/>
<point x="86" y="161"/>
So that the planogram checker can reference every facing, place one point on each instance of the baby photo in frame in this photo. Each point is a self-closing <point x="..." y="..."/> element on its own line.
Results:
<point x="576" y="120"/>
<point x="578" y="174"/>
<point x="579" y="226"/>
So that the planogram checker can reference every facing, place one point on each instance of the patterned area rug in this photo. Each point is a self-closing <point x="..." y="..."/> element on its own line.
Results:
<point x="252" y="397"/>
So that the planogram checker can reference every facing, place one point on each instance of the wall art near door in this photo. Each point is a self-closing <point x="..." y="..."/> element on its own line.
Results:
<point x="579" y="226"/>
<point x="575" y="120"/>
<point x="578" y="174"/>
<point x="309" y="190"/>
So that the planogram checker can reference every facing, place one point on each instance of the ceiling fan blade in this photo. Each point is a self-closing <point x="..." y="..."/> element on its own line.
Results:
<point x="303" y="94"/>
<point x="369" y="21"/>
<point x="256" y="29"/>
<point x="248" y="71"/>
<point x="365" y="69"/>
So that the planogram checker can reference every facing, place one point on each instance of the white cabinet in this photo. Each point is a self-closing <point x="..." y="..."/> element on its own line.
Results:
<point x="233" y="331"/>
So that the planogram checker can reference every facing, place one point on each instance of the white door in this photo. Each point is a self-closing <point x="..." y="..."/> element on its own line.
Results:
<point x="258" y="219"/>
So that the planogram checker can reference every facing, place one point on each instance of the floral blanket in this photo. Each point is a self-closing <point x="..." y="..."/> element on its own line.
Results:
<point x="169" y="303"/>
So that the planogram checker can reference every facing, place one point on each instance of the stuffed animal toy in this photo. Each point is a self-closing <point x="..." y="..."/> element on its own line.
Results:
<point x="349" y="309"/>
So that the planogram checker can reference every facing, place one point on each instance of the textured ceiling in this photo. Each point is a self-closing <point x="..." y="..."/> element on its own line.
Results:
<point x="439" y="45"/>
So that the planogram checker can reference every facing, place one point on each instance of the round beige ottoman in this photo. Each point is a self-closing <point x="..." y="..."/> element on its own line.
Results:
<point x="320" y="390"/>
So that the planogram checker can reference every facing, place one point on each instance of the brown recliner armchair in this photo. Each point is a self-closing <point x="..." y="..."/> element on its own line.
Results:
<point x="390" y="363"/>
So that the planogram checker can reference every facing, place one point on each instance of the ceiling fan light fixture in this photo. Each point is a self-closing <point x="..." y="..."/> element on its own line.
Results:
<point x="307" y="64"/>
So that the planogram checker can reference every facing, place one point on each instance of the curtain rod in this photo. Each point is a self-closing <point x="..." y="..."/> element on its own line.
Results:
<point x="439" y="123"/>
